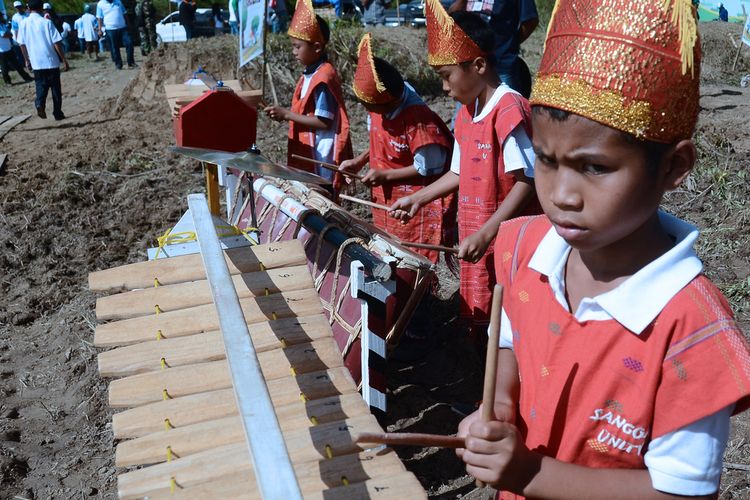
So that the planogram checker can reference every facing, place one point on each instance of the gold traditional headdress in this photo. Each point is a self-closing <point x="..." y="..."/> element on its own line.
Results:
<point x="304" y="26"/>
<point x="367" y="85"/>
<point x="447" y="43"/>
<point x="632" y="65"/>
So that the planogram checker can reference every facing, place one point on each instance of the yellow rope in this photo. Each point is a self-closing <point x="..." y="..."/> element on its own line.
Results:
<point x="182" y="237"/>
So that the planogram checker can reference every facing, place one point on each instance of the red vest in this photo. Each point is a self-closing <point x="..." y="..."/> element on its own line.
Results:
<point x="302" y="139"/>
<point x="392" y="146"/>
<point x="483" y="185"/>
<point x="594" y="393"/>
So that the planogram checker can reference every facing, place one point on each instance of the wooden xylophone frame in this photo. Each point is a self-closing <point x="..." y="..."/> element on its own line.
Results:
<point x="192" y="420"/>
<point x="368" y="283"/>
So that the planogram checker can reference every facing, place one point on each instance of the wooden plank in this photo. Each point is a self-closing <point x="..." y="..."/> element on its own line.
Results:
<point x="200" y="319"/>
<point x="232" y="461"/>
<point x="313" y="385"/>
<point x="266" y="334"/>
<point x="195" y="293"/>
<point x="317" y="355"/>
<point x="190" y="267"/>
<point x="204" y="406"/>
<point x="171" y="89"/>
<point x="202" y="347"/>
<point x="12" y="122"/>
<point x="4" y="118"/>
<point x="309" y="443"/>
<point x="397" y="487"/>
<point x="190" y="379"/>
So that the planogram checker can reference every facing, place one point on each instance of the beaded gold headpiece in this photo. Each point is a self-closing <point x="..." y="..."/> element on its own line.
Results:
<point x="447" y="43"/>
<point x="367" y="85"/>
<point x="304" y="26"/>
<point x="631" y="65"/>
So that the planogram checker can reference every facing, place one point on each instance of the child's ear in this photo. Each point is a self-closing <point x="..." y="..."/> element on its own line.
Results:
<point x="678" y="164"/>
<point x="481" y="66"/>
<point x="318" y="47"/>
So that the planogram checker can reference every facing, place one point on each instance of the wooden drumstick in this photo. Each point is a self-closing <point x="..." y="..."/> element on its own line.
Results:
<point x="326" y="165"/>
<point x="428" y="246"/>
<point x="490" y="366"/>
<point x="365" y="202"/>
<point x="411" y="439"/>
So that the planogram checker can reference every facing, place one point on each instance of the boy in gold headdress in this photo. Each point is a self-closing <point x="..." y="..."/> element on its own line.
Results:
<point x="620" y="363"/>
<point x="409" y="149"/>
<point x="318" y="123"/>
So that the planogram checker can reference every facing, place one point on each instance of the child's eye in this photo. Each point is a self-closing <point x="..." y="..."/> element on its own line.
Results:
<point x="545" y="160"/>
<point x="594" y="169"/>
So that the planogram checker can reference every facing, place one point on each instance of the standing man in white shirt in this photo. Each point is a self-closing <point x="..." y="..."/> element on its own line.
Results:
<point x="89" y="29"/>
<point x="111" y="17"/>
<point x="17" y="18"/>
<point x="15" y="21"/>
<point x="42" y="50"/>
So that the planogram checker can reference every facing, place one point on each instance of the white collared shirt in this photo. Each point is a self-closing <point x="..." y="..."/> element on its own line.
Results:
<point x="687" y="461"/>
<point x="518" y="152"/>
<point x="40" y="36"/>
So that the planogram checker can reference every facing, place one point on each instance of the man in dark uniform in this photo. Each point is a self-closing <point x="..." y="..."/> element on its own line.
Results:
<point x="146" y="18"/>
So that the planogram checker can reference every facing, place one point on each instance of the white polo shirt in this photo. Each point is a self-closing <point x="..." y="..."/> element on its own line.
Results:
<point x="39" y="36"/>
<point x="687" y="461"/>
<point x="111" y="14"/>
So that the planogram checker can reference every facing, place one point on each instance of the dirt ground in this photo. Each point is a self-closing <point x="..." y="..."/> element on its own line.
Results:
<point x="95" y="190"/>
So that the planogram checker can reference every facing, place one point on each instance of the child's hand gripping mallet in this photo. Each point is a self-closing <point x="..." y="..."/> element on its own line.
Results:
<point x="490" y="366"/>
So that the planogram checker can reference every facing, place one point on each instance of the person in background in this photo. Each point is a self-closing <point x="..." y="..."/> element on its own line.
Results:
<point x="374" y="12"/>
<point x="17" y="18"/>
<point x="278" y="17"/>
<point x="513" y="21"/>
<point x="42" y="51"/>
<point x="723" y="13"/>
<point x="145" y="13"/>
<point x="7" y="58"/>
<point x="89" y="32"/>
<point x="110" y="15"/>
<point x="15" y="21"/>
<point x="65" y="34"/>
<point x="218" y="19"/>
<point x="78" y="28"/>
<point x="131" y="22"/>
<point x="318" y="123"/>
<point x="233" y="25"/>
<point x="52" y="15"/>
<point x="187" y="17"/>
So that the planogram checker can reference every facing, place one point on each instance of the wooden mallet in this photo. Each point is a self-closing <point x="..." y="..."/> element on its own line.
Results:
<point x="328" y="166"/>
<point x="490" y="365"/>
<point x="410" y="439"/>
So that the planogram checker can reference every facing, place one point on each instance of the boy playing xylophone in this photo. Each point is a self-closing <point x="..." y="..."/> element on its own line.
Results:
<point x="410" y="148"/>
<point x="318" y="124"/>
<point x="492" y="152"/>
<point x="620" y="363"/>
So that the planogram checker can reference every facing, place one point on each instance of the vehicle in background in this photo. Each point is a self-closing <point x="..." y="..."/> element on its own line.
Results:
<point x="169" y="29"/>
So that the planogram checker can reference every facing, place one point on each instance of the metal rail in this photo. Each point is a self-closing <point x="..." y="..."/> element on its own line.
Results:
<point x="273" y="467"/>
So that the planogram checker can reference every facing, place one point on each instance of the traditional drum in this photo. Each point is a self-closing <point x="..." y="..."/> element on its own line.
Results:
<point x="214" y="354"/>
